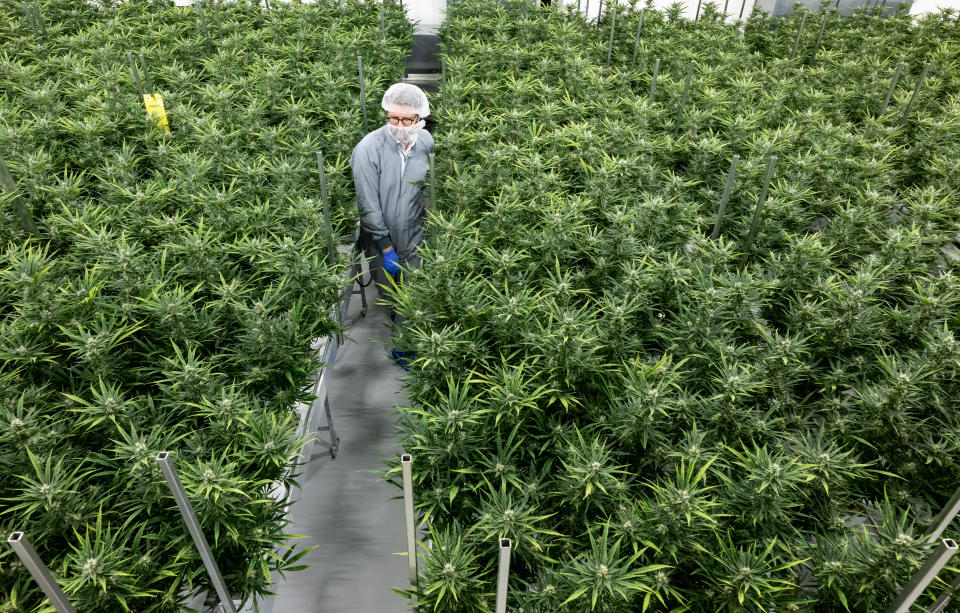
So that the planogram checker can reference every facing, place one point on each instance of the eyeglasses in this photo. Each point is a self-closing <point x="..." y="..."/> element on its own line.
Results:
<point x="404" y="121"/>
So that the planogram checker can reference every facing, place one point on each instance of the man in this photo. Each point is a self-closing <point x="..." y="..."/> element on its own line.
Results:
<point x="389" y="168"/>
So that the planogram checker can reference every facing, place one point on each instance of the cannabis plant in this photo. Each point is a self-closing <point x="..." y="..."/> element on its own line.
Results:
<point x="177" y="278"/>
<point x="679" y="379"/>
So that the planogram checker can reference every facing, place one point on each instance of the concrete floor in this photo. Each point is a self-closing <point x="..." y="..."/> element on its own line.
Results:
<point x="355" y="519"/>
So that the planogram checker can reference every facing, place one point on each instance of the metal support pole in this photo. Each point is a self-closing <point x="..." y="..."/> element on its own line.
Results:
<point x="328" y="222"/>
<point x="796" y="43"/>
<point x="726" y="3"/>
<point x="755" y="224"/>
<point x="683" y="98"/>
<point x="946" y="516"/>
<point x="503" y="575"/>
<point x="731" y="176"/>
<point x="23" y="211"/>
<point x="28" y="555"/>
<point x="433" y="181"/>
<point x="636" y="41"/>
<point x="203" y="20"/>
<point x="28" y="13"/>
<point x="443" y="86"/>
<point x="743" y="5"/>
<point x="696" y="16"/>
<point x="324" y="200"/>
<point x="406" y="465"/>
<point x="946" y="596"/>
<point x="893" y="87"/>
<point x="39" y="18"/>
<point x="363" y="93"/>
<point x="216" y="16"/>
<point x="923" y="577"/>
<point x="823" y="26"/>
<point x="383" y="25"/>
<point x="146" y="75"/>
<point x="136" y="75"/>
<point x="193" y="525"/>
<point x="334" y="439"/>
<point x="613" y="25"/>
<point x="653" y="82"/>
<point x="916" y="90"/>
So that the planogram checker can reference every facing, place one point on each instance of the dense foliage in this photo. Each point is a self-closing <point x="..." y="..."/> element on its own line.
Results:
<point x="170" y="297"/>
<point x="657" y="418"/>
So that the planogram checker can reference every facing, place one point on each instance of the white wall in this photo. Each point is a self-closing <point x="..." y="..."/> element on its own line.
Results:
<point x="426" y="14"/>
<point x="690" y="9"/>
<point x="919" y="7"/>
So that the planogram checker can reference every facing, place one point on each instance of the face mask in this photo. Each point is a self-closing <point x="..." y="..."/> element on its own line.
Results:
<point x="406" y="135"/>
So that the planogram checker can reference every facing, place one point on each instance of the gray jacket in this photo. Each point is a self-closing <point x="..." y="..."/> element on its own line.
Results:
<point x="392" y="207"/>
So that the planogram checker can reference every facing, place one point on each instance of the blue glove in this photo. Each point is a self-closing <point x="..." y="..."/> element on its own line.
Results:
<point x="391" y="263"/>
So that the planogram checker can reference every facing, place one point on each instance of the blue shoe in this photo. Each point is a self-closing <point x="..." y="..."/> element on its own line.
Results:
<point x="402" y="358"/>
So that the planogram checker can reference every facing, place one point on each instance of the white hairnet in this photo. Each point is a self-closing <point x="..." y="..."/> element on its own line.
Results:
<point x="406" y="95"/>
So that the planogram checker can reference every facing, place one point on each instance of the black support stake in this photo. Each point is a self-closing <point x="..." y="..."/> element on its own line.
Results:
<point x="696" y="15"/>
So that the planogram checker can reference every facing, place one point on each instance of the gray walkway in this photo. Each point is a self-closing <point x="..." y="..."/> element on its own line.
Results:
<point x="347" y="511"/>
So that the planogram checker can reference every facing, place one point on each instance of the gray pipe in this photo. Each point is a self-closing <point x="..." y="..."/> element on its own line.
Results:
<point x="28" y="555"/>
<point x="406" y="466"/>
<point x="503" y="575"/>
<point x="731" y="175"/>
<point x="193" y="525"/>
<point x="923" y="577"/>
<point x="893" y="87"/>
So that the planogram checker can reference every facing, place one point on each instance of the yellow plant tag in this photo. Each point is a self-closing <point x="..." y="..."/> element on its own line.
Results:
<point x="154" y="104"/>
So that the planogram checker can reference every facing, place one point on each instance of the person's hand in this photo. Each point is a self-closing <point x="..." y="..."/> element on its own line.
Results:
<point x="391" y="263"/>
